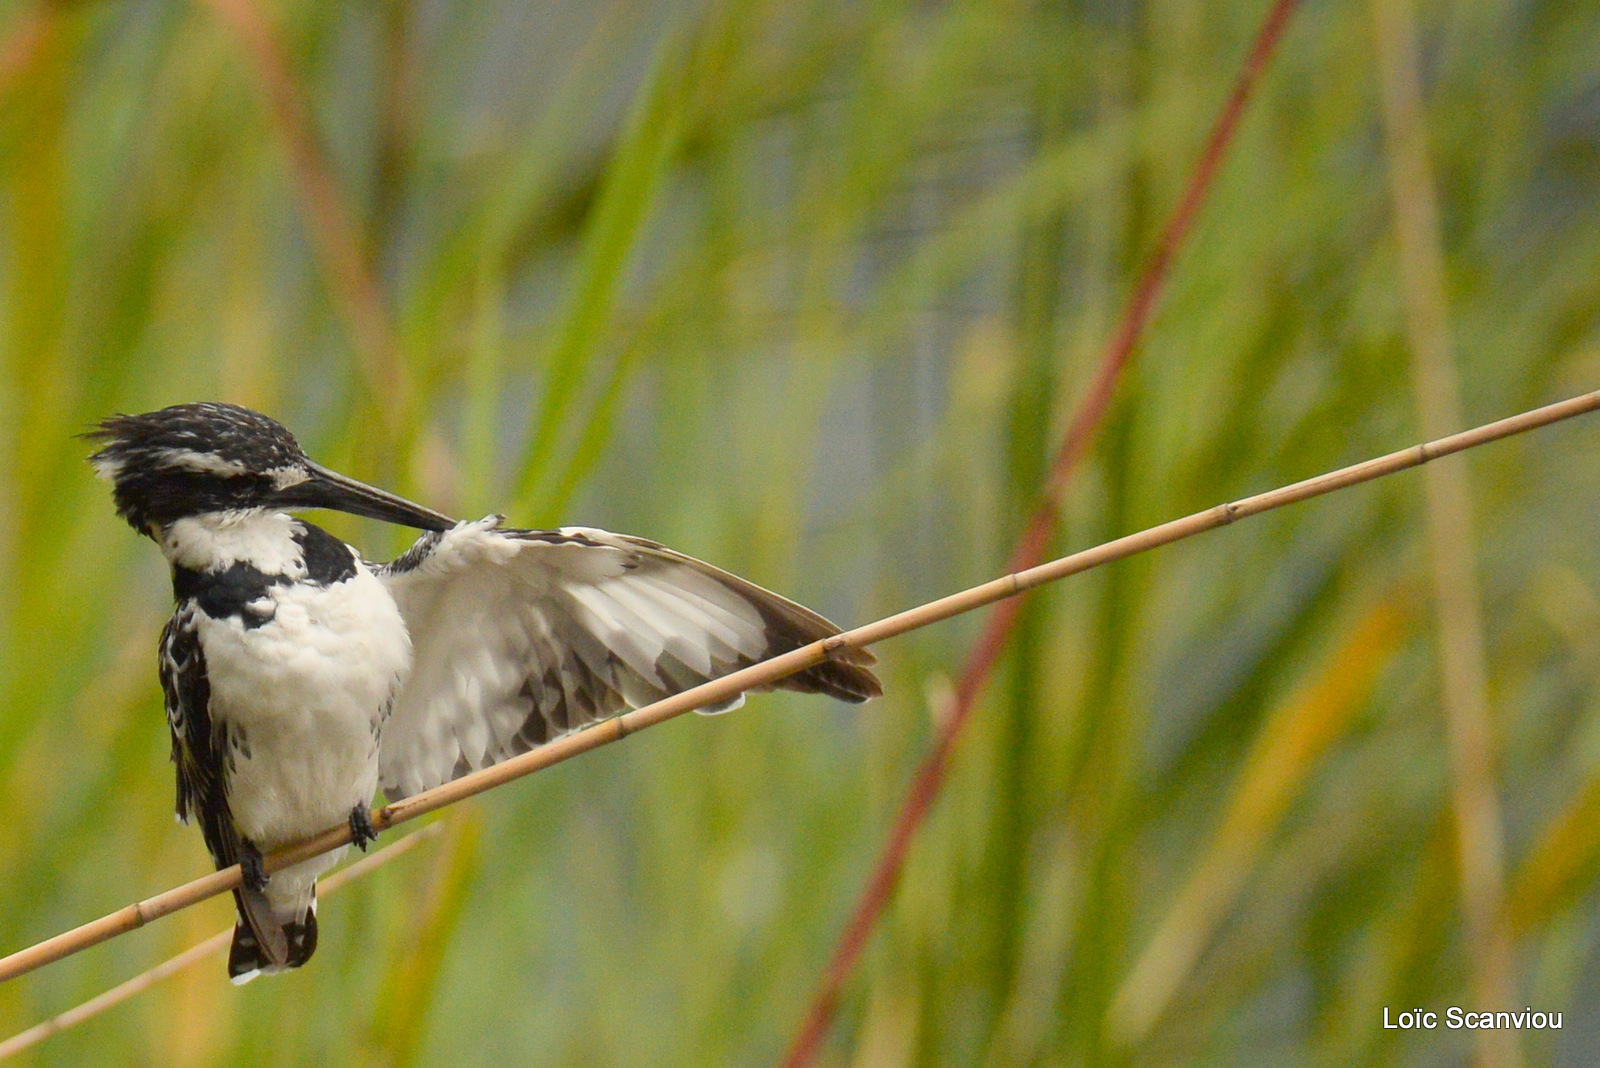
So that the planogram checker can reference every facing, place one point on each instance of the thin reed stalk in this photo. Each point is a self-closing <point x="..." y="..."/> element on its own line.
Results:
<point x="770" y="671"/>
<point x="200" y="951"/>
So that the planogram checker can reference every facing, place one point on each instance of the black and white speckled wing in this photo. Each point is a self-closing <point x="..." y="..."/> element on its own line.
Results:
<point x="198" y="749"/>
<point x="201" y="750"/>
<point x="521" y="636"/>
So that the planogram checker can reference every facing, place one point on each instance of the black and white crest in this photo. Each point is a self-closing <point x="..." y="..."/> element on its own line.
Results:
<point x="207" y="459"/>
<point x="194" y="458"/>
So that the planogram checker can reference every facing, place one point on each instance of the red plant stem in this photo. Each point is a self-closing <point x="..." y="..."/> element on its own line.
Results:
<point x="1031" y="547"/>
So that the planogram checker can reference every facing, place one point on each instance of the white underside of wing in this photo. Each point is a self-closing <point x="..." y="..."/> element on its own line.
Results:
<point x="520" y="637"/>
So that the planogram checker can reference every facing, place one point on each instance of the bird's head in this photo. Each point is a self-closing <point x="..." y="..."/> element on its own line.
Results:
<point x="195" y="459"/>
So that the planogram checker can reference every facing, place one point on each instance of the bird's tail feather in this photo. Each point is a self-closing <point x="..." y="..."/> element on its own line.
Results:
<point x="264" y="943"/>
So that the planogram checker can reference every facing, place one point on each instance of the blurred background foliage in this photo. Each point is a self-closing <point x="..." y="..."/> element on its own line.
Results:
<point x="809" y="290"/>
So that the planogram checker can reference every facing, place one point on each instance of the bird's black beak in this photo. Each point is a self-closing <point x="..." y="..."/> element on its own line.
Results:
<point x="329" y="489"/>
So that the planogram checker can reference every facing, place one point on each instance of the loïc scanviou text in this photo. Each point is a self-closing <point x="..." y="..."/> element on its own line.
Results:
<point x="1456" y="1018"/>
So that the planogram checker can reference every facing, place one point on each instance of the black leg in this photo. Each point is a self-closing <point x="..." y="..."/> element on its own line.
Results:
<point x="255" y="876"/>
<point x="361" y="829"/>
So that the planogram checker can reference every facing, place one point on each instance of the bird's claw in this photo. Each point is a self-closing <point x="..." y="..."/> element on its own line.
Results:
<point x="361" y="829"/>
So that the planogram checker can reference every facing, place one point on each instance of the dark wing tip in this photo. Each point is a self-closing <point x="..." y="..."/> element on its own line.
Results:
<point x="848" y="681"/>
<point x="789" y="626"/>
<point x="844" y="674"/>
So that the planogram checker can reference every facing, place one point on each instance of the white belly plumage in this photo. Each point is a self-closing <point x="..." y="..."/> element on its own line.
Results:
<point x="304" y="696"/>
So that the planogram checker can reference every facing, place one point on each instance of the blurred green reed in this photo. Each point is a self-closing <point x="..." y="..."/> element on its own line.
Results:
<point x="808" y="290"/>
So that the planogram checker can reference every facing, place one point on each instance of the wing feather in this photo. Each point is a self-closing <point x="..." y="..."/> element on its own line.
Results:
<point x="521" y="636"/>
<point x="718" y="639"/>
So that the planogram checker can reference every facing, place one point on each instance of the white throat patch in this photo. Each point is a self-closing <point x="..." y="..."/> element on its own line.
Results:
<point x="213" y="541"/>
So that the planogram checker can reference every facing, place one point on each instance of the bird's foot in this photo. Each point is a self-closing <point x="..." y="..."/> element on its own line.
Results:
<point x="250" y="866"/>
<point x="361" y="829"/>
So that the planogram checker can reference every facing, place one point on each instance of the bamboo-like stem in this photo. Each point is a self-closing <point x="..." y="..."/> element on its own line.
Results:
<point x="770" y="671"/>
<point x="1480" y="838"/>
<point x="199" y="952"/>
<point x="1034" y="541"/>
<point x="331" y="224"/>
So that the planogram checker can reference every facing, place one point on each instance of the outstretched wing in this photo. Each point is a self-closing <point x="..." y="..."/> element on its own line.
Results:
<point x="520" y="636"/>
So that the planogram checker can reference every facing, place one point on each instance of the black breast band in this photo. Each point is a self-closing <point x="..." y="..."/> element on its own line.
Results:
<point x="234" y="589"/>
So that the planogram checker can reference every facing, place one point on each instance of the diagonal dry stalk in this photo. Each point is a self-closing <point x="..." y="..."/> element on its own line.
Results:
<point x="769" y="671"/>
<point x="201" y="951"/>
<point x="1033" y="543"/>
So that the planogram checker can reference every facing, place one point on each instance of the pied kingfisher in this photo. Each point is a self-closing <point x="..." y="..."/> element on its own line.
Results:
<point x="299" y="678"/>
